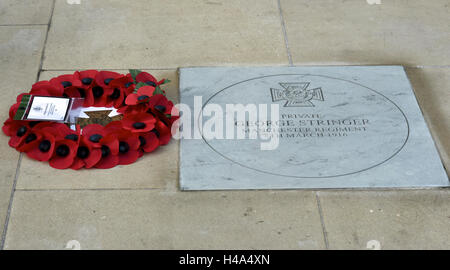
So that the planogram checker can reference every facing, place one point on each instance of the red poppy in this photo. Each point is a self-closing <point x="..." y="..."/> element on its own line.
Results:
<point x="21" y="132"/>
<point x="62" y="131"/>
<point x="42" y="145"/>
<point x="18" y="130"/>
<point x="126" y="82"/>
<point x="128" y="147"/>
<point x="149" y="141"/>
<point x="129" y="85"/>
<point x="9" y="126"/>
<point x="161" y="104"/>
<point x="97" y="95"/>
<point x="148" y="79"/>
<point x="114" y="127"/>
<point x="73" y="92"/>
<point x="142" y="96"/>
<point x="87" y="156"/>
<point x="99" y="90"/>
<point x="129" y="143"/>
<point x="103" y="78"/>
<point x="163" y="132"/>
<point x="45" y="88"/>
<point x="122" y="87"/>
<point x="110" y="149"/>
<point x="94" y="133"/>
<point x="167" y="119"/>
<point x="87" y="77"/>
<point x="66" y="80"/>
<point x="133" y="109"/>
<point x="64" y="154"/>
<point x="138" y="123"/>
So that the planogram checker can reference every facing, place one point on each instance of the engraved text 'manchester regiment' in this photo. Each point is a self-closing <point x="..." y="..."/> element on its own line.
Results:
<point x="297" y="94"/>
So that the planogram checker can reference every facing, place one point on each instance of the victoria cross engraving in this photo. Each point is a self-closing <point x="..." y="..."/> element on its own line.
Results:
<point x="297" y="94"/>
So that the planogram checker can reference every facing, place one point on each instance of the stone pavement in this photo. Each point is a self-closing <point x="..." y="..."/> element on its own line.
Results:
<point x="139" y="206"/>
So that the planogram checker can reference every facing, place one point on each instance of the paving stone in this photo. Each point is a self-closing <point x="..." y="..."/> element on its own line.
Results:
<point x="165" y="220"/>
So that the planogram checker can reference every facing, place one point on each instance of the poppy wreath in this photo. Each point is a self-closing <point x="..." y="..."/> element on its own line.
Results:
<point x="146" y="122"/>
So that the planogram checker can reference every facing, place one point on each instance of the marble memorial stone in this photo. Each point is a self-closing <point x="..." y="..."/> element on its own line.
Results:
<point x="339" y="127"/>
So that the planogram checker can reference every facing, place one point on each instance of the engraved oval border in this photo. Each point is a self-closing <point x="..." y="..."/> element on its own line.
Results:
<point x="291" y="176"/>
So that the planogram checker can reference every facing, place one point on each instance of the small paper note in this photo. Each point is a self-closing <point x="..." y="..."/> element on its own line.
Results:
<point x="48" y="108"/>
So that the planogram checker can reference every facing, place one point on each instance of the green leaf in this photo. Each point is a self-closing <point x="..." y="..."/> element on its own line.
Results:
<point x="165" y="81"/>
<point x="134" y="73"/>
<point x="158" y="90"/>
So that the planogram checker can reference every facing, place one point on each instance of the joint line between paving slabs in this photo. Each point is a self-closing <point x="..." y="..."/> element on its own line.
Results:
<point x="325" y="235"/>
<point x="283" y="27"/>
<point x="11" y="198"/>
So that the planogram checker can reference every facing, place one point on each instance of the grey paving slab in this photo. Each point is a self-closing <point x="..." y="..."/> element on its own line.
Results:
<point x="144" y="219"/>
<point x="25" y="11"/>
<point x="408" y="219"/>
<point x="164" y="34"/>
<point x="407" y="32"/>
<point x="346" y="126"/>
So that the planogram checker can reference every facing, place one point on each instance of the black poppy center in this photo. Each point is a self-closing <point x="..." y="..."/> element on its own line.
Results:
<point x="143" y="97"/>
<point x="44" y="146"/>
<point x="160" y="108"/>
<point x="123" y="147"/>
<point x="105" y="151"/>
<point x="107" y="81"/>
<point x="31" y="137"/>
<point x="86" y="81"/>
<point x="21" y="131"/>
<point x="143" y="141"/>
<point x="115" y="94"/>
<point x="151" y="83"/>
<point x="73" y="137"/>
<point x="95" y="138"/>
<point x="139" y="125"/>
<point x="62" y="150"/>
<point x="66" y="84"/>
<point x="82" y="152"/>
<point x="97" y="91"/>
